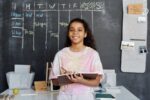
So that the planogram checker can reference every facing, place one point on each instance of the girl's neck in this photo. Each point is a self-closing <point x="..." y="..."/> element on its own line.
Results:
<point x="77" y="48"/>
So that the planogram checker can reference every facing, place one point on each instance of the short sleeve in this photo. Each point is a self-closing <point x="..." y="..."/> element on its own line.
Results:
<point x="55" y="71"/>
<point x="97" y="64"/>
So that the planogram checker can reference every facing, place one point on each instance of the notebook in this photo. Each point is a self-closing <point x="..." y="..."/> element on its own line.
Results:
<point x="102" y="96"/>
<point x="63" y="79"/>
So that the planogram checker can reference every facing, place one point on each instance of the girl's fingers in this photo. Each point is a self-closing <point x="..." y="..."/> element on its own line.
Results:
<point x="75" y="75"/>
<point x="81" y="75"/>
<point x="72" y="76"/>
<point x="68" y="76"/>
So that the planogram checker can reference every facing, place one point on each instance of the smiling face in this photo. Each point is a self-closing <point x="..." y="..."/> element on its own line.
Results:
<point x="77" y="33"/>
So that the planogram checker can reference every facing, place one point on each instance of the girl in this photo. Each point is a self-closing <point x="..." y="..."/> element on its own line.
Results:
<point x="79" y="55"/>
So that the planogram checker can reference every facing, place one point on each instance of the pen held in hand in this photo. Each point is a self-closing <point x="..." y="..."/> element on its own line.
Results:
<point x="65" y="71"/>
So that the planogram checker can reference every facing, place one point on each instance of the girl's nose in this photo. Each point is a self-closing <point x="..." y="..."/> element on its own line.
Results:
<point x="75" y="31"/>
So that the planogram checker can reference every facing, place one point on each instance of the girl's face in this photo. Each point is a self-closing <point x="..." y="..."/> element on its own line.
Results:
<point x="77" y="33"/>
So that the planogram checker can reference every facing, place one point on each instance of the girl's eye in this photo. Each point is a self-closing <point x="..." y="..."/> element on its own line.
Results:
<point x="80" y="30"/>
<point x="71" y="30"/>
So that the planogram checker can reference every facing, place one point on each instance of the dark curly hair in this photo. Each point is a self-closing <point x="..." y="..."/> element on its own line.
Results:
<point x="88" y="40"/>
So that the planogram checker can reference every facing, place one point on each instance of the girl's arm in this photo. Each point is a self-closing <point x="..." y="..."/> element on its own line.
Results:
<point x="94" y="82"/>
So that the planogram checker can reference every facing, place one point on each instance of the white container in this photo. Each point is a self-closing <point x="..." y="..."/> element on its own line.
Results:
<point x="19" y="80"/>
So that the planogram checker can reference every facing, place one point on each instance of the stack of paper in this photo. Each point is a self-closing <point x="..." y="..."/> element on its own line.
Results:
<point x="22" y="68"/>
<point x="109" y="78"/>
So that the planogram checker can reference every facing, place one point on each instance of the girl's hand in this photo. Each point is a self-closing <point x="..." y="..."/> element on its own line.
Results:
<point x="75" y="78"/>
<point x="64" y="71"/>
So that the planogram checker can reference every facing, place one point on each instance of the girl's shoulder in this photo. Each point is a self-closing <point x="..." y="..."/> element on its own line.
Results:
<point x="63" y="50"/>
<point x="91" y="50"/>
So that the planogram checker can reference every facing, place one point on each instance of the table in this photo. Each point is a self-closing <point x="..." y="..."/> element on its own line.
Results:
<point x="120" y="92"/>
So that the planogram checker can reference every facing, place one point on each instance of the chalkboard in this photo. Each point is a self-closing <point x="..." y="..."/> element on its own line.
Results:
<point x="34" y="30"/>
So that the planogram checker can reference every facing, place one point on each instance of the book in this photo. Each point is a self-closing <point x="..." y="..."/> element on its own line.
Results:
<point x="104" y="96"/>
<point x="63" y="79"/>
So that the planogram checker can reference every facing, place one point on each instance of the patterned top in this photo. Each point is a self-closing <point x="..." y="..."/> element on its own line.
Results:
<point x="87" y="60"/>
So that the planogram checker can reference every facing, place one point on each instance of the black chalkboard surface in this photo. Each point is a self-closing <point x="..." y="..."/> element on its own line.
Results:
<point x="36" y="29"/>
<point x="32" y="31"/>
